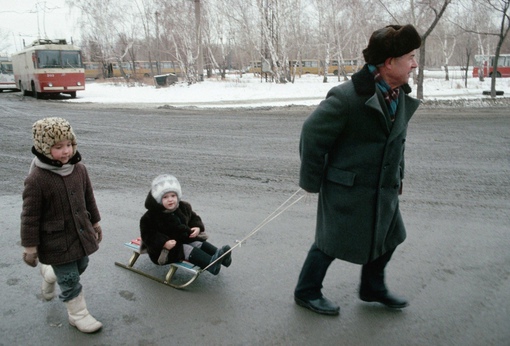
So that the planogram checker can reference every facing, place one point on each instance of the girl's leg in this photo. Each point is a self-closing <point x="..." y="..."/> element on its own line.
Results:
<point x="202" y="259"/>
<point x="196" y="244"/>
<point x="48" y="282"/>
<point x="68" y="278"/>
<point x="210" y="249"/>
<point x="83" y="263"/>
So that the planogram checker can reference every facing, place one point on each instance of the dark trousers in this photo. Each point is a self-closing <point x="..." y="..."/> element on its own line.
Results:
<point x="372" y="274"/>
<point x="316" y="264"/>
<point x="68" y="278"/>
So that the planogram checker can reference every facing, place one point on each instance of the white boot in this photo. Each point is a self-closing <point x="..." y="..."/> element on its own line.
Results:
<point x="80" y="317"/>
<point x="48" y="283"/>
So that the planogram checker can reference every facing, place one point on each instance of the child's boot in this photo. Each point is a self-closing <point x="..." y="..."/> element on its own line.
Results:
<point x="211" y="250"/>
<point x="227" y="260"/>
<point x="202" y="259"/>
<point x="48" y="283"/>
<point x="80" y="317"/>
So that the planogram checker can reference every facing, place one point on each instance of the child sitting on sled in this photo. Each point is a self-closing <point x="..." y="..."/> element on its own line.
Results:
<point x="171" y="231"/>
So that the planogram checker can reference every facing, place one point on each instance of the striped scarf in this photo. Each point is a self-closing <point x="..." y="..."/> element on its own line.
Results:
<point x="390" y="95"/>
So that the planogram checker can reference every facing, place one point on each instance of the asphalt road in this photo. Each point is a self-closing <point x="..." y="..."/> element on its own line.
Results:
<point x="236" y="167"/>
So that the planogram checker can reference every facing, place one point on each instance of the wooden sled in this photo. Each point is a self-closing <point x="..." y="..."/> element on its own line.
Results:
<point x="190" y="269"/>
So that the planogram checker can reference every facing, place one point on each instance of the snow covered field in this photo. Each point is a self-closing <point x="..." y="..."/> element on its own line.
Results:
<point x="251" y="91"/>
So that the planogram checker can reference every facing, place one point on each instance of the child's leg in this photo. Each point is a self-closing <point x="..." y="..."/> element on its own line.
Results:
<point x="187" y="248"/>
<point x="190" y="246"/>
<point x="83" y="264"/>
<point x="200" y="258"/>
<point x="208" y="248"/>
<point x="48" y="283"/>
<point x="196" y="244"/>
<point x="68" y="278"/>
<point x="211" y="250"/>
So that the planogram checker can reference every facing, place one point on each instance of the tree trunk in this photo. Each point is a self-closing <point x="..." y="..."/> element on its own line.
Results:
<point x="200" y="56"/>
<point x="419" y="90"/>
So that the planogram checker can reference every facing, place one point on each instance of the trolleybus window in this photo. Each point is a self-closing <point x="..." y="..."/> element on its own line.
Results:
<point x="56" y="59"/>
<point x="71" y="59"/>
<point x="6" y="67"/>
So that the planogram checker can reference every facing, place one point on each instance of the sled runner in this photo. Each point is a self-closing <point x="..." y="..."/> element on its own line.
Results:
<point x="188" y="268"/>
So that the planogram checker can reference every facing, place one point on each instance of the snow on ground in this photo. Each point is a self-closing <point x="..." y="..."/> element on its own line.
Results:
<point x="251" y="91"/>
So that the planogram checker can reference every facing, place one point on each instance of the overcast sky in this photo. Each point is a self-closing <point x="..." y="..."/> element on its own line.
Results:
<point x="32" y="19"/>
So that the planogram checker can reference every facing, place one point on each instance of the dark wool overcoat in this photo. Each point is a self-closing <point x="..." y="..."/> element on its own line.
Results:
<point x="58" y="214"/>
<point x="353" y="156"/>
<point x="157" y="226"/>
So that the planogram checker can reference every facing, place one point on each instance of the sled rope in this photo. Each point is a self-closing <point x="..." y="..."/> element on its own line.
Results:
<point x="293" y="199"/>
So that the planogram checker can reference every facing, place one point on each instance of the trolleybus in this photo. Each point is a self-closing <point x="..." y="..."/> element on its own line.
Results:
<point x="485" y="63"/>
<point x="49" y="67"/>
<point x="6" y="75"/>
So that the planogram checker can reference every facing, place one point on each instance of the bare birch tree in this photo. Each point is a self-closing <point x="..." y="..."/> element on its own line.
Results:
<point x="502" y="8"/>
<point x="268" y="12"/>
<point x="222" y="34"/>
<point x="447" y="41"/>
<point x="436" y="9"/>
<point x="325" y="27"/>
<point x="180" y="35"/>
<point x="105" y="28"/>
<point x="148" y="17"/>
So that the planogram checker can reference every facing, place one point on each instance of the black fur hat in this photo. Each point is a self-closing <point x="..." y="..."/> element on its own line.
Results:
<point x="391" y="41"/>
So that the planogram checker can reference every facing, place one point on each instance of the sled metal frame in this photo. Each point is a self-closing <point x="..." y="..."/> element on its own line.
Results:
<point x="186" y="266"/>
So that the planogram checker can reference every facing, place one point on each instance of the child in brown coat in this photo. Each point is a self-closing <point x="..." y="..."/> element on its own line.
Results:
<point x="60" y="219"/>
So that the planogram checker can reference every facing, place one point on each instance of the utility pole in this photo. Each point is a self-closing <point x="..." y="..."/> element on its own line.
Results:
<point x="200" y="58"/>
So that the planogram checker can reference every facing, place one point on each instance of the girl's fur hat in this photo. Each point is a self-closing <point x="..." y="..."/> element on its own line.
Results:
<point x="391" y="41"/>
<point x="163" y="184"/>
<point x="49" y="131"/>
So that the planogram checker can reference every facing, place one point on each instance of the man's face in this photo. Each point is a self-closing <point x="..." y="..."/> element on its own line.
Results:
<point x="400" y="69"/>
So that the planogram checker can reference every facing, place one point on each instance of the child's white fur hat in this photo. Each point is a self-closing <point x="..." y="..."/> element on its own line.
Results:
<point x="163" y="184"/>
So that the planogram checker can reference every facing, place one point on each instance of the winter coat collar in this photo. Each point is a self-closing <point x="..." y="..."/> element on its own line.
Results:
<point x="364" y="83"/>
<point x="74" y="160"/>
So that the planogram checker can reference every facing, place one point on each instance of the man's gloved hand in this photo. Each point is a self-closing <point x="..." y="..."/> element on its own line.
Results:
<point x="30" y="256"/>
<point x="99" y="233"/>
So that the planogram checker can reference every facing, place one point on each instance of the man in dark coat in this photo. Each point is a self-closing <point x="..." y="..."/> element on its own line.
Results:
<point x="352" y="154"/>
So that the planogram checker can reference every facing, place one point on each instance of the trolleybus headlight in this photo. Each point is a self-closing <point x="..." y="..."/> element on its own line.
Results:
<point x="50" y="84"/>
<point x="79" y="83"/>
